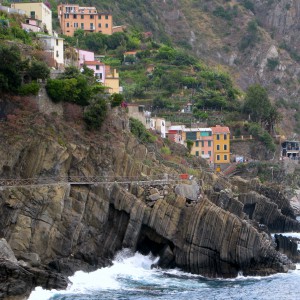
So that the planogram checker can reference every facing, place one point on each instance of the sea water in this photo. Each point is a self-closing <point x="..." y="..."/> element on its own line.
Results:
<point x="131" y="277"/>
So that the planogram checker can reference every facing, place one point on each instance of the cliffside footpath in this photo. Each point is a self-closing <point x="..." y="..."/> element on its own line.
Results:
<point x="208" y="225"/>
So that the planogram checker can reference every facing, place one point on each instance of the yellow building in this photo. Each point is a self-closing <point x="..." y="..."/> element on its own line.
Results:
<point x="112" y="81"/>
<point x="221" y="142"/>
<point x="36" y="10"/>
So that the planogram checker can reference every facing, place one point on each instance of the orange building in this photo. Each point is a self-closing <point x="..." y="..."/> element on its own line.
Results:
<point x="72" y="17"/>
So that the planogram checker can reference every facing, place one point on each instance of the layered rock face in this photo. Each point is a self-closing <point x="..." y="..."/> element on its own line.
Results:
<point x="203" y="226"/>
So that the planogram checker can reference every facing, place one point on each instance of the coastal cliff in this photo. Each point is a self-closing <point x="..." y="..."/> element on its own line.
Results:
<point x="208" y="225"/>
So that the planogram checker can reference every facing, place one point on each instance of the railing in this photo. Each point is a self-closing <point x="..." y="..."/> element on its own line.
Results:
<point x="89" y="180"/>
<point x="241" y="137"/>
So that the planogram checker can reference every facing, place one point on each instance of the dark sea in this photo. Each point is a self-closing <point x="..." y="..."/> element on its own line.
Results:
<point x="131" y="277"/>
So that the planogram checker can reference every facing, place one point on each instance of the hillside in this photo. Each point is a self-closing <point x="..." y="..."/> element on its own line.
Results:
<point x="256" y="41"/>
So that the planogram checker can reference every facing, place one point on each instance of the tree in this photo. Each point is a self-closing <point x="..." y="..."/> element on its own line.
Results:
<point x="95" y="113"/>
<point x="257" y="103"/>
<point x="189" y="145"/>
<point x="38" y="70"/>
<point x="10" y="67"/>
<point x="116" y="99"/>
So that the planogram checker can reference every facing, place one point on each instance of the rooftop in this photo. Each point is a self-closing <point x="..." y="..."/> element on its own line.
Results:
<point x="220" y="129"/>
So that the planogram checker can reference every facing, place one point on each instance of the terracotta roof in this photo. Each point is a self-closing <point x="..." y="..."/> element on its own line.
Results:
<point x="93" y="63"/>
<point x="220" y="129"/>
<point x="130" y="53"/>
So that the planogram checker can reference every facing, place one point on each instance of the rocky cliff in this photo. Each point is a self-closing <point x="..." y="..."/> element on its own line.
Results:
<point x="207" y="226"/>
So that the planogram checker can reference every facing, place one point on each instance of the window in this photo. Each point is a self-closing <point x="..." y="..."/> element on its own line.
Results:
<point x="191" y="136"/>
<point x="197" y="153"/>
<point x="225" y="157"/>
<point x="99" y="17"/>
<point x="106" y="17"/>
<point x="202" y="152"/>
<point x="225" y="147"/>
<point x="106" y="25"/>
<point x="99" y="25"/>
<point x="82" y="25"/>
<point x="99" y="75"/>
<point x="197" y="144"/>
<point x="202" y="143"/>
<point x="32" y="14"/>
<point x="68" y="24"/>
<point x="218" y="137"/>
<point x="75" y="16"/>
<point x="66" y="16"/>
<point x="82" y="16"/>
<point x="209" y="153"/>
<point x="97" y="67"/>
<point x="91" y="16"/>
<point x="56" y="42"/>
<point x="76" y="25"/>
<point x="209" y="144"/>
<point x="57" y="55"/>
<point x="225" y="136"/>
<point x="218" y="157"/>
<point x="91" y="26"/>
<point x="218" y="147"/>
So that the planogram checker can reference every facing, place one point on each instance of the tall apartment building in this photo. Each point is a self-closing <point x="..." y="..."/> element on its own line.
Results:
<point x="72" y="17"/>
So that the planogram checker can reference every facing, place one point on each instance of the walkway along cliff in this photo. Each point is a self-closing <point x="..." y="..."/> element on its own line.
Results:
<point x="208" y="225"/>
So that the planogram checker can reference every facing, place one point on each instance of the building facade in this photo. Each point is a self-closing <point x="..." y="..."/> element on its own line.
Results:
<point x="72" y="17"/>
<point x="112" y="81"/>
<point x="36" y="10"/>
<point x="221" y="144"/>
<point x="207" y="145"/>
<point x="98" y="68"/>
<point x="55" y="46"/>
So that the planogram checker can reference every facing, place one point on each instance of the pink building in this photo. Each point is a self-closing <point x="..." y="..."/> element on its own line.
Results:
<point x="84" y="55"/>
<point x="206" y="141"/>
<point x="32" y="25"/>
<point x="98" y="68"/>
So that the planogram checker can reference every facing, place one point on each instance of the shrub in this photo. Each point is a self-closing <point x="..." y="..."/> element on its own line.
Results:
<point x="139" y="130"/>
<point x="29" y="89"/>
<point x="116" y="99"/>
<point x="165" y="150"/>
<point x="272" y="63"/>
<point x="38" y="70"/>
<point x="95" y="113"/>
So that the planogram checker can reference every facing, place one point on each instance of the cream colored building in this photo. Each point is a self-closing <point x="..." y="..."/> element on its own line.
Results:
<point x="55" y="46"/>
<point x="112" y="81"/>
<point x="36" y="10"/>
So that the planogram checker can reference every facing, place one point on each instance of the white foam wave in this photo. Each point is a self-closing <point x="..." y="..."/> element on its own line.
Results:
<point x="290" y="234"/>
<point x="126" y="265"/>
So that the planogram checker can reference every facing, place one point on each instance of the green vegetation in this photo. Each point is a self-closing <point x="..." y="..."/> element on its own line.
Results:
<point x="227" y="13"/>
<point x="95" y="113"/>
<point x="259" y="107"/>
<point x="116" y="99"/>
<point x="272" y="63"/>
<point x="252" y="36"/>
<point x="139" y="130"/>
<point x="10" y="67"/>
<point x="13" y="67"/>
<point x="10" y="29"/>
<point x="29" y="89"/>
<point x="73" y="86"/>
